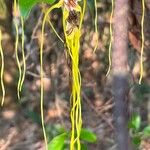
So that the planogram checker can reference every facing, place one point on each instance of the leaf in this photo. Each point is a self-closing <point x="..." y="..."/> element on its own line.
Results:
<point x="90" y="4"/>
<point x="88" y="136"/>
<point x="146" y="131"/>
<point x="57" y="142"/>
<point x="91" y="7"/>
<point x="141" y="91"/>
<point x="54" y="130"/>
<point x="34" y="116"/>
<point x="135" y="122"/>
<point x="136" y="140"/>
<point x="84" y="146"/>
<point x="25" y="6"/>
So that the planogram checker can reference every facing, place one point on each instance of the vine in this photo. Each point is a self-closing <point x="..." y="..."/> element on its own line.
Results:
<point x="2" y="70"/>
<point x="16" y="47"/>
<point x="21" y="74"/>
<point x="95" y="24"/>
<point x="143" y="40"/>
<point x="142" y="45"/>
<point x="111" y="37"/>
<point x="23" y="54"/>
<point x="72" y="24"/>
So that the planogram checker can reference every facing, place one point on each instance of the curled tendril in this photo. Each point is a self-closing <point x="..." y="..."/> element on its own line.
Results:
<point x="95" y="24"/>
<point x="111" y="37"/>
<point x="57" y="5"/>
<point x="2" y="71"/>
<point x="21" y="73"/>
<point x="23" y="55"/>
<point x="16" y="48"/>
<point x="143" y="39"/>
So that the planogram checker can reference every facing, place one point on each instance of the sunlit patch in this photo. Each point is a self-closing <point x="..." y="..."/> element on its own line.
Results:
<point x="8" y="114"/>
<point x="3" y="9"/>
<point x="8" y="78"/>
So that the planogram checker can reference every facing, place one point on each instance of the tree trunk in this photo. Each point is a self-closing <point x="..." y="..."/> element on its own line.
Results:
<point x="120" y="73"/>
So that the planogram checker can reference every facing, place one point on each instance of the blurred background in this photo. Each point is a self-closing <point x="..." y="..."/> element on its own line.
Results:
<point x="20" y="122"/>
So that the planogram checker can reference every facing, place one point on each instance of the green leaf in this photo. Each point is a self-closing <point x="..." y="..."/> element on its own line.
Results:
<point x="146" y="131"/>
<point x="34" y="116"/>
<point x="58" y="142"/>
<point x="135" y="122"/>
<point x="90" y="4"/>
<point x="88" y="136"/>
<point x="47" y="1"/>
<point x="84" y="146"/>
<point x="136" y="140"/>
<point x="54" y="130"/>
<point x="25" y="6"/>
<point x="140" y="91"/>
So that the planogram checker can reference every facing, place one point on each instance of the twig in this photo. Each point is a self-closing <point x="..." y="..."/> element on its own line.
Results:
<point x="35" y="75"/>
<point x="10" y="137"/>
<point x="97" y="112"/>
